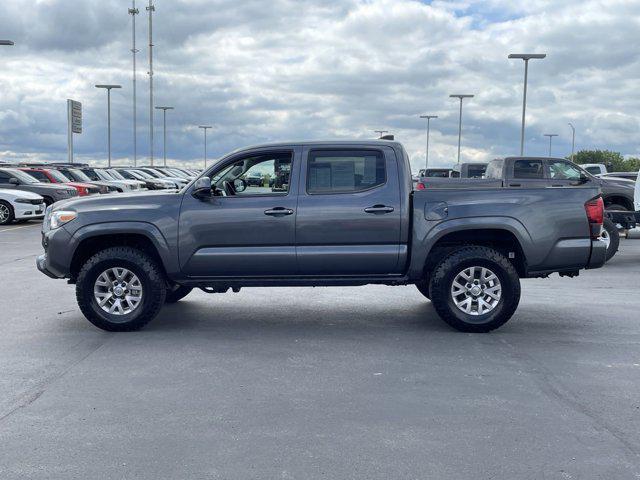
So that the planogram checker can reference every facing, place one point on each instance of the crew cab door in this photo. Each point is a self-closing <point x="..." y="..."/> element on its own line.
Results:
<point x="249" y="232"/>
<point x="526" y="173"/>
<point x="349" y="212"/>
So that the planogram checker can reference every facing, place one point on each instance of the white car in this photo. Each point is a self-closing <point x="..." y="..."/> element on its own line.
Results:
<point x="20" y="205"/>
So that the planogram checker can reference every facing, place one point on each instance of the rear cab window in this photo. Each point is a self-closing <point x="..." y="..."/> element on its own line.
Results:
<point x="528" y="169"/>
<point x="344" y="171"/>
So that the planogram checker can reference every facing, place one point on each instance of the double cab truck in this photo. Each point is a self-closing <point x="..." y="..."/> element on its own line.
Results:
<point x="342" y="214"/>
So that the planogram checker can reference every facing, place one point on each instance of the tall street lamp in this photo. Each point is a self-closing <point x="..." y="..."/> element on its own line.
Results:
<point x="205" y="128"/>
<point x="573" y="140"/>
<point x="526" y="57"/>
<point x="164" y="122"/>
<point x="460" y="96"/>
<point x="133" y="12"/>
<point x="428" y="117"/>
<point x="108" y="88"/>
<point x="550" y="135"/>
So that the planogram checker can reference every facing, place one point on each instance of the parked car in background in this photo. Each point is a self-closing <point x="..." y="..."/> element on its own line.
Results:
<point x="13" y="178"/>
<point x="254" y="179"/>
<point x="50" y="175"/>
<point x="17" y="205"/>
<point x="595" y="168"/>
<point x="139" y="184"/>
<point x="344" y="215"/>
<point x="150" y="182"/>
<point x="179" y="181"/>
<point x="78" y="176"/>
<point x="469" y="170"/>
<point x="98" y="174"/>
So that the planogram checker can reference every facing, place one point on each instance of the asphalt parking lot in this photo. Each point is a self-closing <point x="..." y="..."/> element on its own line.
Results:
<point x="320" y="383"/>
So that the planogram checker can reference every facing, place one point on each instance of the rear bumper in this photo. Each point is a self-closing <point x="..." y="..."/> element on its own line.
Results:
<point x="598" y="254"/>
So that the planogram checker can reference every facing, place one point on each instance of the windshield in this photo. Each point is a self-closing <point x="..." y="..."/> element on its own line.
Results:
<point x="79" y="175"/>
<point x="22" y="176"/>
<point x="127" y="175"/>
<point x="177" y="173"/>
<point x="116" y="174"/>
<point x="153" y="174"/>
<point x="91" y="174"/>
<point x="140" y="174"/>
<point x="59" y="177"/>
<point x="104" y="175"/>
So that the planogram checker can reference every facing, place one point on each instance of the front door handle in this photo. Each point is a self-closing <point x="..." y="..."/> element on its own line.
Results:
<point x="278" y="211"/>
<point x="379" y="209"/>
<point x="515" y="185"/>
<point x="557" y="185"/>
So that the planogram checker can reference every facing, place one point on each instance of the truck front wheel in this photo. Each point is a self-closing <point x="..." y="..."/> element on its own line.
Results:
<point x="120" y="289"/>
<point x="475" y="289"/>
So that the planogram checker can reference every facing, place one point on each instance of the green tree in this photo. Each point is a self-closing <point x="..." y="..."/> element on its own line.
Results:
<point x="614" y="161"/>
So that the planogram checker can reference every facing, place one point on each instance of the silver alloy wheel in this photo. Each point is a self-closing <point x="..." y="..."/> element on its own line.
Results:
<point x="118" y="291"/>
<point x="4" y="213"/>
<point x="476" y="290"/>
<point x="605" y="237"/>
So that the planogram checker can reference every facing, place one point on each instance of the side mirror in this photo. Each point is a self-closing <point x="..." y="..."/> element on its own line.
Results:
<point x="202" y="187"/>
<point x="583" y="178"/>
<point x="14" y="181"/>
<point x="239" y="185"/>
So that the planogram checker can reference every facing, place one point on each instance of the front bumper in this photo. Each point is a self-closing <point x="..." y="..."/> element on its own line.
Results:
<point x="55" y="262"/>
<point x="598" y="254"/>
<point x="25" y="211"/>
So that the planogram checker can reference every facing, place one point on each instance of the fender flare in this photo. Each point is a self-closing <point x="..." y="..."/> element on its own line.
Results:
<point x="433" y="235"/>
<point x="148" y="230"/>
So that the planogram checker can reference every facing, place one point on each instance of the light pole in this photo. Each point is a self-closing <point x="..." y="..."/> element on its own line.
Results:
<point x="381" y="132"/>
<point x="526" y="57"/>
<point x="205" y="128"/>
<point x="573" y="139"/>
<point x="6" y="42"/>
<point x="428" y="117"/>
<point x="151" y="9"/>
<point x="460" y="96"/>
<point x="108" y="88"/>
<point x="164" y="122"/>
<point x="133" y="12"/>
<point x="550" y="135"/>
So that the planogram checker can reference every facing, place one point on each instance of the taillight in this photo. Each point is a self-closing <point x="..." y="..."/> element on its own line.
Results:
<point x="595" y="214"/>
<point x="420" y="186"/>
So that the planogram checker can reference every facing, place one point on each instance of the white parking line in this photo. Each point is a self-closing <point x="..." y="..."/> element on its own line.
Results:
<point x="18" y="228"/>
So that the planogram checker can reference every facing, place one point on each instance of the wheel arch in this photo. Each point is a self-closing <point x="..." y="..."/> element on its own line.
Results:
<point x="619" y="200"/>
<point x="146" y="237"/>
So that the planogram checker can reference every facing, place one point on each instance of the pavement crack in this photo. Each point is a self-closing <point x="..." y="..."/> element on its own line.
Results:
<point x="553" y="387"/>
<point x="36" y="392"/>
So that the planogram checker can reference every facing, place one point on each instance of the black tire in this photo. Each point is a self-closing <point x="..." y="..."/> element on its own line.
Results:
<point x="616" y="206"/>
<point x="423" y="288"/>
<point x="143" y="266"/>
<point x="445" y="273"/>
<point x="8" y="215"/>
<point x="178" y="294"/>
<point x="609" y="229"/>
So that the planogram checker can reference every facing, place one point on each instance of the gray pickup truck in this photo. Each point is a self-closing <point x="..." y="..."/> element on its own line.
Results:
<point x="332" y="213"/>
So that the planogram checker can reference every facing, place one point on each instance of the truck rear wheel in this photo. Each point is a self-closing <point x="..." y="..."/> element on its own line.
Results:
<point x="611" y="237"/>
<point x="120" y="289"/>
<point x="475" y="289"/>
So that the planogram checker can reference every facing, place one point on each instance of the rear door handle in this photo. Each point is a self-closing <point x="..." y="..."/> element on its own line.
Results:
<point x="278" y="211"/>
<point x="379" y="209"/>
<point x="557" y="185"/>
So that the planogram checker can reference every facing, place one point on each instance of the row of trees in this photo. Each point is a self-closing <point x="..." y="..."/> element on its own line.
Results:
<point x="614" y="161"/>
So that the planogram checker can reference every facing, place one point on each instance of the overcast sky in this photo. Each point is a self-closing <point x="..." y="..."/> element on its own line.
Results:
<point x="262" y="71"/>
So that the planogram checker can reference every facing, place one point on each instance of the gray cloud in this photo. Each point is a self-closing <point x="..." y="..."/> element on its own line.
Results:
<point x="261" y="71"/>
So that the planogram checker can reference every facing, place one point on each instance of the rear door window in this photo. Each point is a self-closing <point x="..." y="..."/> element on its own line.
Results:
<point x="344" y="171"/>
<point x="528" y="169"/>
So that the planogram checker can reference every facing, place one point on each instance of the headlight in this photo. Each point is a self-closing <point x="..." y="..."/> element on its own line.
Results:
<point x="22" y="200"/>
<point x="60" y="217"/>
